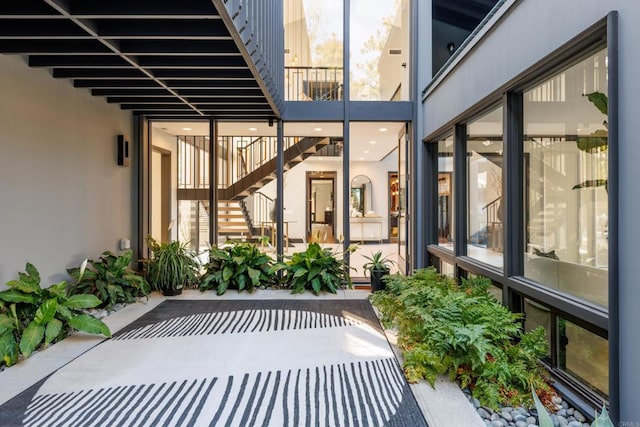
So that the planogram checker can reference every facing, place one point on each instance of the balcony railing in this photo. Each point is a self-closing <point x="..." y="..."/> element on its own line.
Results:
<point x="313" y="83"/>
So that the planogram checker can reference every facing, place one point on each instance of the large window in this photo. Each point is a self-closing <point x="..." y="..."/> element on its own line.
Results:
<point x="379" y="50"/>
<point x="313" y="50"/>
<point x="566" y="188"/>
<point x="445" y="192"/>
<point x="484" y="189"/>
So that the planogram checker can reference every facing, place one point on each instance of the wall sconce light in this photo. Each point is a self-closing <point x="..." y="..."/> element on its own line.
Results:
<point x="123" y="151"/>
<point x="451" y="47"/>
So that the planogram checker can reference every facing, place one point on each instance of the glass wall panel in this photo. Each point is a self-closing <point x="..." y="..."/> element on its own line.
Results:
<point x="566" y="162"/>
<point x="445" y="192"/>
<point x="373" y="155"/>
<point x="585" y="355"/>
<point x="379" y="50"/>
<point x="313" y="183"/>
<point x="447" y="269"/>
<point x="313" y="50"/>
<point x="246" y="171"/>
<point x="537" y="315"/>
<point x="484" y="189"/>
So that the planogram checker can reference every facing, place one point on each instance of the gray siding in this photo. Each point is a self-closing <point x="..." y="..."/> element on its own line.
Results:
<point x="531" y="30"/>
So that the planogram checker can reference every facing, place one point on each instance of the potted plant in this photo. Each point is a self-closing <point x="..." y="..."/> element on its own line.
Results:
<point x="378" y="266"/>
<point x="171" y="267"/>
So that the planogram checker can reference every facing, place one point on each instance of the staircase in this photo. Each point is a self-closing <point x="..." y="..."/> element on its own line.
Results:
<point x="265" y="173"/>
<point x="233" y="220"/>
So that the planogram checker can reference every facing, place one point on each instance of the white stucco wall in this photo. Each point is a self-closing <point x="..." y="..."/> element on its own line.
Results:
<point x="63" y="198"/>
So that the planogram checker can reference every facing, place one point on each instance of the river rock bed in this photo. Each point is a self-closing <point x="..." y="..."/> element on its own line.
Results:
<point x="565" y="415"/>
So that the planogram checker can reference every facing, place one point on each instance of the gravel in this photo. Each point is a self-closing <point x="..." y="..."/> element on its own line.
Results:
<point x="565" y="415"/>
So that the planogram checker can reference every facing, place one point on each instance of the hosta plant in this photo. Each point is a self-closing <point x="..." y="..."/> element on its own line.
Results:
<point x="462" y="331"/>
<point x="110" y="279"/>
<point x="33" y="317"/>
<point x="240" y="266"/>
<point x="317" y="269"/>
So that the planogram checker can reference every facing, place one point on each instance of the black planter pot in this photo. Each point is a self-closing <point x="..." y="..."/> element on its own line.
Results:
<point x="171" y="292"/>
<point x="376" y="279"/>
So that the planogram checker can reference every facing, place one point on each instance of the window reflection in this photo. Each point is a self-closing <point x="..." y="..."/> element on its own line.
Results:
<point x="566" y="197"/>
<point x="484" y="189"/>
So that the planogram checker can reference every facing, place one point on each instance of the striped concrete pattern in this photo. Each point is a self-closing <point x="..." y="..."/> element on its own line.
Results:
<point x="210" y="363"/>
<point x="353" y="394"/>
<point x="242" y="321"/>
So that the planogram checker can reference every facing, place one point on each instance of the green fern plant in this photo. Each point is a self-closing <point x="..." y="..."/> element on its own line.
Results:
<point x="462" y="331"/>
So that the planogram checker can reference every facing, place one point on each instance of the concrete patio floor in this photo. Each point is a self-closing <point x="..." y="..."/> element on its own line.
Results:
<point x="443" y="406"/>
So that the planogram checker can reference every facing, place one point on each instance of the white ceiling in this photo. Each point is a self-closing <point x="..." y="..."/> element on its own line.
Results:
<point x="369" y="141"/>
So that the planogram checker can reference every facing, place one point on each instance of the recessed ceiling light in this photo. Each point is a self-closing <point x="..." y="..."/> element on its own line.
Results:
<point x="253" y="129"/>
<point x="366" y="151"/>
<point x="383" y="129"/>
<point x="320" y="158"/>
<point x="187" y="129"/>
<point x="317" y="129"/>
<point x="372" y="142"/>
<point x="206" y="137"/>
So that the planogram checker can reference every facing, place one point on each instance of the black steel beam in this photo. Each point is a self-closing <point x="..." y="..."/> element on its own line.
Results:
<point x="168" y="8"/>
<point x="78" y="61"/>
<point x="156" y="28"/>
<point x="32" y="28"/>
<point x="179" y="47"/>
<point x="77" y="47"/>
<point x="173" y="99"/>
<point x="174" y="84"/>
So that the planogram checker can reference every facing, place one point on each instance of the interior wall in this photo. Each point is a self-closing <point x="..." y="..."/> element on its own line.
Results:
<point x="295" y="190"/>
<point x="64" y="198"/>
<point x="168" y="142"/>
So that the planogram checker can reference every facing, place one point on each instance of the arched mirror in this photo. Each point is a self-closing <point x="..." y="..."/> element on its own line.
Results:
<point x="361" y="195"/>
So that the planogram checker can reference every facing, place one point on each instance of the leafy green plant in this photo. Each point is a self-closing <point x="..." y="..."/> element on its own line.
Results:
<point x="462" y="331"/>
<point x="110" y="279"/>
<point x="316" y="269"/>
<point x="239" y="266"/>
<point x="37" y="316"/>
<point x="378" y="262"/>
<point x="172" y="266"/>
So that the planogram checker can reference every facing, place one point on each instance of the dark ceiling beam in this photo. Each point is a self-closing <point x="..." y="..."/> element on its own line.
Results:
<point x="162" y="107"/>
<point x="25" y="8"/>
<point x="187" y="93"/>
<point x="76" y="61"/>
<point x="98" y="73"/>
<point x="190" y="93"/>
<point x="34" y="28"/>
<point x="148" y="62"/>
<point x="180" y="47"/>
<point x="174" y="84"/>
<point x="171" y="74"/>
<point x="199" y="101"/>
<point x="191" y="61"/>
<point x="141" y="7"/>
<point x="65" y="8"/>
<point x="40" y="46"/>
<point x="170" y="28"/>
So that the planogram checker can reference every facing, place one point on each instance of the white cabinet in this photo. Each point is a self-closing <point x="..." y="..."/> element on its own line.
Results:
<point x="365" y="228"/>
